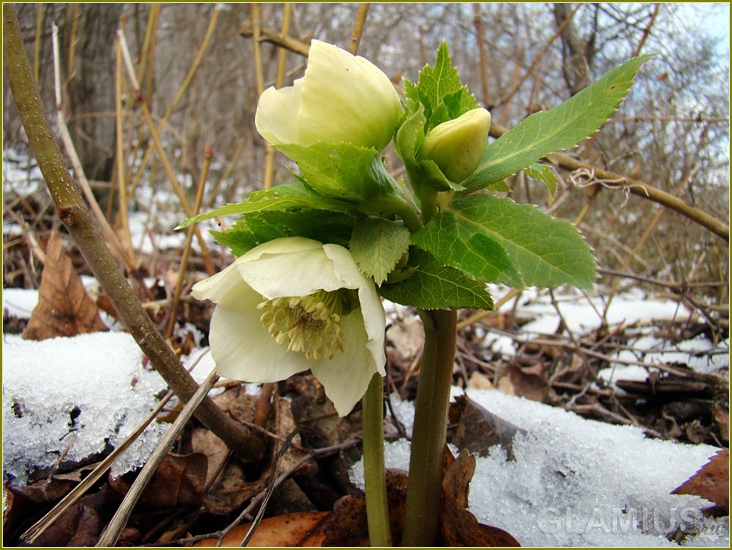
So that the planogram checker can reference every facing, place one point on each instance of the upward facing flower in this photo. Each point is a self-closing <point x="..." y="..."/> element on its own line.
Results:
<point x="341" y="98"/>
<point x="294" y="304"/>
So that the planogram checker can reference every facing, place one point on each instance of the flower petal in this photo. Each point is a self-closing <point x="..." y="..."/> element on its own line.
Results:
<point x="241" y="346"/>
<point x="283" y="245"/>
<point x="276" y="116"/>
<point x="345" y="98"/>
<point x="295" y="274"/>
<point x="216" y="286"/>
<point x="372" y="310"/>
<point x="346" y="376"/>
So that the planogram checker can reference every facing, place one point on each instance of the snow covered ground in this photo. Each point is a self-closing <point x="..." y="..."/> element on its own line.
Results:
<point x="573" y="481"/>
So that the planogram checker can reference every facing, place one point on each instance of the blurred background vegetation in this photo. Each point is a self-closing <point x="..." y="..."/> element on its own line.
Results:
<point x="672" y="131"/>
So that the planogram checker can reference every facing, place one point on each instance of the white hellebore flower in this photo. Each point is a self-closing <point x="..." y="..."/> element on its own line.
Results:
<point x="341" y="98"/>
<point x="294" y="304"/>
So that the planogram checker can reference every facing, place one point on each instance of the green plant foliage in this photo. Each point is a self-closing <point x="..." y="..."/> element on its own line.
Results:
<point x="280" y="197"/>
<point x="497" y="240"/>
<point x="440" y="91"/>
<point x="435" y="286"/>
<point x="377" y="245"/>
<point x="255" y="228"/>
<point x="560" y="128"/>
<point x="544" y="173"/>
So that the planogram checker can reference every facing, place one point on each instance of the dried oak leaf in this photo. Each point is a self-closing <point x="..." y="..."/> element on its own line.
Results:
<point x="179" y="480"/>
<point x="64" y="307"/>
<point x="458" y="527"/>
<point x="79" y="525"/>
<point x="711" y="482"/>
<point x="300" y="529"/>
<point x="479" y="429"/>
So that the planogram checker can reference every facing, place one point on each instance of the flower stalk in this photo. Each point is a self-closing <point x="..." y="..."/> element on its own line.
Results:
<point x="430" y="428"/>
<point x="377" y="506"/>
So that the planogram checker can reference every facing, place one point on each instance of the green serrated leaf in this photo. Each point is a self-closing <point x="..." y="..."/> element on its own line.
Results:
<point x="544" y="173"/>
<point x="496" y="240"/>
<point x="436" y="286"/>
<point x="280" y="197"/>
<point x="239" y="238"/>
<point x="377" y="245"/>
<point x="260" y="227"/>
<point x="560" y="128"/>
<point x="440" y="91"/>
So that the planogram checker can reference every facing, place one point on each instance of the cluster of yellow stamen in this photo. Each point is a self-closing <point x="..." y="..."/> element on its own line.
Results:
<point x="307" y="324"/>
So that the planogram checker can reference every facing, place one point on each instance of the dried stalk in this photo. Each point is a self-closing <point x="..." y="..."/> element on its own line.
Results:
<point x="111" y="237"/>
<point x="80" y="224"/>
<point x="207" y="156"/>
<point x="161" y="152"/>
<point x="363" y="11"/>
<point x="117" y="524"/>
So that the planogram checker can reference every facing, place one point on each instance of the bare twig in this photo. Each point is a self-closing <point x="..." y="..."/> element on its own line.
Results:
<point x="363" y="11"/>
<point x="207" y="155"/>
<point x="161" y="152"/>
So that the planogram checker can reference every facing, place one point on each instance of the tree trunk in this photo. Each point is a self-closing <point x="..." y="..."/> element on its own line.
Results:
<point x="91" y="86"/>
<point x="578" y="52"/>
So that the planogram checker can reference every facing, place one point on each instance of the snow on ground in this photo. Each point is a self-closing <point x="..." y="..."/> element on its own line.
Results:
<point x="573" y="481"/>
<point x="578" y="482"/>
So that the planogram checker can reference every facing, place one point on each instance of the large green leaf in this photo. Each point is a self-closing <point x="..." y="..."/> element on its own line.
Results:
<point x="560" y="128"/>
<point x="436" y="286"/>
<point x="496" y="240"/>
<point x="377" y="245"/>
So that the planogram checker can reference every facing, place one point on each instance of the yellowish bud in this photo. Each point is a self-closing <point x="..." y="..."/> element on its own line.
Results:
<point x="456" y="146"/>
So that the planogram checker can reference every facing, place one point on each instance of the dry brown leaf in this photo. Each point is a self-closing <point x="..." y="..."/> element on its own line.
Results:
<point x="348" y="526"/>
<point x="515" y="381"/>
<point x="178" y="481"/>
<point x="479" y="429"/>
<point x="64" y="307"/>
<point x="232" y="490"/>
<point x="80" y="525"/>
<point x="206" y="442"/>
<point x="290" y="530"/>
<point x="710" y="482"/>
<point x="404" y="341"/>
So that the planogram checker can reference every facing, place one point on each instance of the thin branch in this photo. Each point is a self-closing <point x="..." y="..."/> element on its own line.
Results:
<point x="636" y="187"/>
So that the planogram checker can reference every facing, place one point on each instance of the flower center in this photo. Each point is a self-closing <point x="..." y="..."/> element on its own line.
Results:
<point x="307" y="324"/>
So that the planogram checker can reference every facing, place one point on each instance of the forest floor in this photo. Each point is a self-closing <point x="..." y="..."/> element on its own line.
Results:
<point x="589" y="415"/>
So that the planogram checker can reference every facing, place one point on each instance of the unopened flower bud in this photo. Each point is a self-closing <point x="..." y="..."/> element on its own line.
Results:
<point x="456" y="146"/>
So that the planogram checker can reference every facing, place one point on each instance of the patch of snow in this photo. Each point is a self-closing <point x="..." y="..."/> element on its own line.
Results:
<point x="19" y="302"/>
<point x="75" y="395"/>
<point x="579" y="482"/>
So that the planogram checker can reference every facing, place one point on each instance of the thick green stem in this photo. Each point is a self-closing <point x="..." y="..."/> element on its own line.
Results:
<point x="81" y="226"/>
<point x="377" y="506"/>
<point x="430" y="428"/>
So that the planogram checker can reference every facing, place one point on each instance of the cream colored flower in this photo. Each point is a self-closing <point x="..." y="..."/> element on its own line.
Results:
<point x="295" y="304"/>
<point x="457" y="146"/>
<point x="341" y="98"/>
